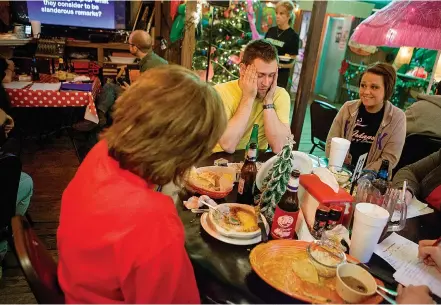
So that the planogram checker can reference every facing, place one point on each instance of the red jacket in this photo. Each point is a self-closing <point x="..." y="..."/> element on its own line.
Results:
<point x="119" y="241"/>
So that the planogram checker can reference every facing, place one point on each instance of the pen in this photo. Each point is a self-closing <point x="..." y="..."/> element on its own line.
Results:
<point x="436" y="243"/>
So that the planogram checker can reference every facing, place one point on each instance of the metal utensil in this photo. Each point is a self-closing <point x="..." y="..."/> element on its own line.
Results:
<point x="212" y="205"/>
<point x="389" y="291"/>
<point x="387" y="298"/>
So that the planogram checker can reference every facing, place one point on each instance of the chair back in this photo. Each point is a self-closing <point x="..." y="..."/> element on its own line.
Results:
<point x="10" y="170"/>
<point x="417" y="147"/>
<point x="322" y="116"/>
<point x="37" y="264"/>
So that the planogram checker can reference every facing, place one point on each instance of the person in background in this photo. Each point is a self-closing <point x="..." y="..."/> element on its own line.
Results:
<point x="431" y="255"/>
<point x="119" y="240"/>
<point x="140" y="46"/>
<point x="372" y="123"/>
<point x="423" y="116"/>
<point x="255" y="99"/>
<point x="285" y="39"/>
<point x="423" y="180"/>
<point x="9" y="145"/>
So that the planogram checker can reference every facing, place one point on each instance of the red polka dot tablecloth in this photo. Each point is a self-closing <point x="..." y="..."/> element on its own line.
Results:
<point x="48" y="98"/>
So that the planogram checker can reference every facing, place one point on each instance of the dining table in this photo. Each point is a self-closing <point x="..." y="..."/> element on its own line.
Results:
<point x="223" y="271"/>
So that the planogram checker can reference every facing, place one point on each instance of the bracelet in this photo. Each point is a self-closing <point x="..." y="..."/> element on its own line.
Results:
<point x="269" y="106"/>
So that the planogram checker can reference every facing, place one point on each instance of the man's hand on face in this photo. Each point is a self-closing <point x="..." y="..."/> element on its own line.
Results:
<point x="269" y="98"/>
<point x="248" y="83"/>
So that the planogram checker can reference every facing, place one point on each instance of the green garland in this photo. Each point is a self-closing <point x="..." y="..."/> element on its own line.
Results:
<point x="274" y="184"/>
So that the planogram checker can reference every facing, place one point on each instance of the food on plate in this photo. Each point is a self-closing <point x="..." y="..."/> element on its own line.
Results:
<point x="247" y="220"/>
<point x="353" y="283"/>
<point x="341" y="176"/>
<point x="326" y="258"/>
<point x="306" y="271"/>
<point x="208" y="180"/>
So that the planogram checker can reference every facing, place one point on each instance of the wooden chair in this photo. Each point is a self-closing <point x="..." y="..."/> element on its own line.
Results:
<point x="37" y="264"/>
<point x="417" y="147"/>
<point x="322" y="116"/>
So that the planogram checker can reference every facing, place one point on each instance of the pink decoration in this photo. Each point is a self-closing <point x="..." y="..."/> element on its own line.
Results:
<point x="403" y="23"/>
<point x="252" y="20"/>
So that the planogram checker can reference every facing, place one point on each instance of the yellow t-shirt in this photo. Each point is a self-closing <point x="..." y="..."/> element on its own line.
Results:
<point x="231" y="94"/>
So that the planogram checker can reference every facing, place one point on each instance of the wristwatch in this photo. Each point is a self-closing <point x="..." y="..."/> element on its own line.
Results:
<point x="268" y="106"/>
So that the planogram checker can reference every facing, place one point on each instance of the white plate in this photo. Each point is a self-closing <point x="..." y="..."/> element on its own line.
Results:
<point x="122" y="60"/>
<point x="209" y="228"/>
<point x="302" y="162"/>
<point x="284" y="58"/>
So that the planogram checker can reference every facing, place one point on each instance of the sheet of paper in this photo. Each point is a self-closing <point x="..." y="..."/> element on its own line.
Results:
<point x="46" y="86"/>
<point x="420" y="274"/>
<point x="402" y="255"/>
<point x="16" y="85"/>
<point x="414" y="209"/>
<point x="398" y="251"/>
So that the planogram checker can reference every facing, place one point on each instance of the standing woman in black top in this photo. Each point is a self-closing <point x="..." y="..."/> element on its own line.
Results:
<point x="285" y="39"/>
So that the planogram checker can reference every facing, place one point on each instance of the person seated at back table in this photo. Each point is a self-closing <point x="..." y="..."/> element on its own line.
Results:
<point x="9" y="145"/>
<point x="372" y="124"/>
<point x="423" y="180"/>
<point x="140" y="45"/>
<point x="424" y="115"/>
<point x="255" y="99"/>
<point x="119" y="240"/>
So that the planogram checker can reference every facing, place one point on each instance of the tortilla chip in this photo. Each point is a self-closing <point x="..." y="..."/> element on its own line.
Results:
<point x="306" y="271"/>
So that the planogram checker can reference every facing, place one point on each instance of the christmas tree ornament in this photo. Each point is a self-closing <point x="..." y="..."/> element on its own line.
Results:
<point x="274" y="184"/>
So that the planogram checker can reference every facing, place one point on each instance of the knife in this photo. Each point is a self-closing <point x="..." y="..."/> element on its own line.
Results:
<point x="261" y="224"/>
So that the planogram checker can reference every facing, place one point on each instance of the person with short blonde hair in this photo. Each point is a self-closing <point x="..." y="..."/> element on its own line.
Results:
<point x="285" y="39"/>
<point x="119" y="240"/>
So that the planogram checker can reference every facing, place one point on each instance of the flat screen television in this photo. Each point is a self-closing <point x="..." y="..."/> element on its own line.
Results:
<point x="91" y="14"/>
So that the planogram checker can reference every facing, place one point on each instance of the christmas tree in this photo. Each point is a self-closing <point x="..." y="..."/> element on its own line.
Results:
<point x="274" y="185"/>
<point x="230" y="30"/>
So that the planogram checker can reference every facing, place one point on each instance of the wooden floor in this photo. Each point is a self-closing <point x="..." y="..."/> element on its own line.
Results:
<point x="51" y="168"/>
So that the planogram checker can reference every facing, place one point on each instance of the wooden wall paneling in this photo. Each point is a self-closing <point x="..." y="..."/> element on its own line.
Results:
<point x="306" y="74"/>
<point x="189" y="42"/>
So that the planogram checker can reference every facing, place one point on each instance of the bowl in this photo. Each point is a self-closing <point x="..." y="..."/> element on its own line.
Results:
<point x="232" y="233"/>
<point x="193" y="186"/>
<point x="325" y="257"/>
<point x="341" y="174"/>
<point x="349" y="294"/>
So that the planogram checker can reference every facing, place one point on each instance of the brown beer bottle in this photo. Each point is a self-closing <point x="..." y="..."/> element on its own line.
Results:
<point x="245" y="190"/>
<point x="287" y="210"/>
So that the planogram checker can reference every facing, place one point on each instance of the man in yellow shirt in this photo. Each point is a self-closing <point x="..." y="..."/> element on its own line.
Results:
<point x="255" y="99"/>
